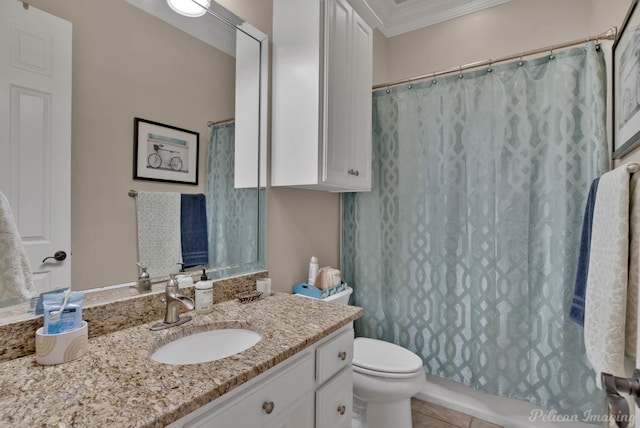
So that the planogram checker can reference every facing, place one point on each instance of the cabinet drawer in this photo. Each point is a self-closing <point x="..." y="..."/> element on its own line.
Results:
<point x="334" y="401"/>
<point x="269" y="400"/>
<point x="333" y="356"/>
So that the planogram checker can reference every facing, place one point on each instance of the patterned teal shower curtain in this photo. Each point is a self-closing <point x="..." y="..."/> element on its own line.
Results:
<point x="236" y="232"/>
<point x="466" y="249"/>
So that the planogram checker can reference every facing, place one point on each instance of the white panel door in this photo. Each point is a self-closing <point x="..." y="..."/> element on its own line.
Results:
<point x="35" y="135"/>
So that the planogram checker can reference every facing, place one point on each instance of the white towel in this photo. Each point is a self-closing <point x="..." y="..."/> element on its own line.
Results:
<point x="16" y="278"/>
<point x="608" y="278"/>
<point x="159" y="247"/>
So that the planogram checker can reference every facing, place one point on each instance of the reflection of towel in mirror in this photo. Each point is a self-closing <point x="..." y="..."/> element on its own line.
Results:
<point x="158" y="215"/>
<point x="193" y="225"/>
<point x="16" y="278"/>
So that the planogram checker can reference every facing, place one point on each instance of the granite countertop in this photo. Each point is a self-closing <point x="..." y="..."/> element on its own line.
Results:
<point x="117" y="384"/>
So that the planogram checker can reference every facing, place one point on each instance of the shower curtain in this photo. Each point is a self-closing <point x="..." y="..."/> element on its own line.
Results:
<point x="235" y="226"/>
<point x="466" y="249"/>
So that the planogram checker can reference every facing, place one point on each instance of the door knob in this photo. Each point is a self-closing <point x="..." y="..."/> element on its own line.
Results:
<point x="59" y="256"/>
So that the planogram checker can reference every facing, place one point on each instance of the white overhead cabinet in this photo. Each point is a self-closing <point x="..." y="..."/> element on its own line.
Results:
<point x="321" y="108"/>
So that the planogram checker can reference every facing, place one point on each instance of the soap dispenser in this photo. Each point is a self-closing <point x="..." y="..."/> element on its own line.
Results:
<point x="204" y="294"/>
<point x="144" y="281"/>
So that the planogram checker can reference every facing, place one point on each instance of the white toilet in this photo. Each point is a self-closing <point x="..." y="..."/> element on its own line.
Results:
<point x="385" y="377"/>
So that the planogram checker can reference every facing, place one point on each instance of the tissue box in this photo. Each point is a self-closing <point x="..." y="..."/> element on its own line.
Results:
<point x="311" y="291"/>
<point x="62" y="347"/>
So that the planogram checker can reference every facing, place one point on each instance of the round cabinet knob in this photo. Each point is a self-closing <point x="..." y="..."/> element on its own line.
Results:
<point x="342" y="355"/>
<point x="356" y="173"/>
<point x="268" y="406"/>
<point x="341" y="410"/>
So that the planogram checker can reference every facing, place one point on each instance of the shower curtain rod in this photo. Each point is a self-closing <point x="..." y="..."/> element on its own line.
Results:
<point x="210" y="123"/>
<point x="607" y="35"/>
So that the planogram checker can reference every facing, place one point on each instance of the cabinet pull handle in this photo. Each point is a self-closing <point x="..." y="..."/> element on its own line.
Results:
<point x="341" y="410"/>
<point x="357" y="173"/>
<point x="342" y="355"/>
<point x="268" y="406"/>
<point x="350" y="171"/>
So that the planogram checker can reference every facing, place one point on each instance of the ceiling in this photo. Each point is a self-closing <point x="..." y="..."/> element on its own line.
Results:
<point x="395" y="17"/>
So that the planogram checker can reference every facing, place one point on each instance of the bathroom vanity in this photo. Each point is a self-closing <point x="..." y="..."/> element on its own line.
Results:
<point x="298" y="373"/>
<point x="311" y="389"/>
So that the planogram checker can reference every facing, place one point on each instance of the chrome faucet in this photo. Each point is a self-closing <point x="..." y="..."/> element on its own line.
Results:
<point x="174" y="301"/>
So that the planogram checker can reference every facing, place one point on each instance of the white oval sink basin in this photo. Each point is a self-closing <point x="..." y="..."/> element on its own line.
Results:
<point x="206" y="346"/>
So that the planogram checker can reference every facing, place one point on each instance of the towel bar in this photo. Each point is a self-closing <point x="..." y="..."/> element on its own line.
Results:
<point x="617" y="405"/>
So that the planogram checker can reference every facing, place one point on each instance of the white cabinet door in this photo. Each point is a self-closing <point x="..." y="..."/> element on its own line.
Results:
<point x="298" y="415"/>
<point x="348" y="81"/>
<point x="334" y="401"/>
<point x="321" y="113"/>
<point x="280" y="399"/>
<point x="362" y="60"/>
<point x="334" y="355"/>
<point x="338" y="99"/>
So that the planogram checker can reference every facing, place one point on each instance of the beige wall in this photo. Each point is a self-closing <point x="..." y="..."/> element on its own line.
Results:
<point x="128" y="64"/>
<point x="513" y="27"/>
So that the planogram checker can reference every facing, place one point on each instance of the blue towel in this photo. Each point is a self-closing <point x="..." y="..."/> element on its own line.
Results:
<point x="193" y="230"/>
<point x="576" y="312"/>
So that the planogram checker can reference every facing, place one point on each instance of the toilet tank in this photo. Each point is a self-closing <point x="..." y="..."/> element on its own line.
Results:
<point x="341" y="297"/>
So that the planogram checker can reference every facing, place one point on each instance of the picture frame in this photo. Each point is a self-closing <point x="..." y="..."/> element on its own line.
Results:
<point x="164" y="152"/>
<point x="626" y="84"/>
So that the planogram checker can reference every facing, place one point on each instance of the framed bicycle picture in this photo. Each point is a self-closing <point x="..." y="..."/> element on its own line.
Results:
<point x="626" y="84"/>
<point x="164" y="153"/>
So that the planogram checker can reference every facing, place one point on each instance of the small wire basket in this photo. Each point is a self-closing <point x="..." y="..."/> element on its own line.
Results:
<point x="249" y="297"/>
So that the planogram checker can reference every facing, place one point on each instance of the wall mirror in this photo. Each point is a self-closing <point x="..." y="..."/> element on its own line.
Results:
<point x="137" y="58"/>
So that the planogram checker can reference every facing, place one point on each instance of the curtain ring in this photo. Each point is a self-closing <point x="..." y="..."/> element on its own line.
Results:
<point x="489" y="70"/>
<point x="521" y="63"/>
<point x="460" y="76"/>
<point x="551" y="56"/>
<point x="433" y="76"/>
<point x="409" y="85"/>
<point x="387" y="90"/>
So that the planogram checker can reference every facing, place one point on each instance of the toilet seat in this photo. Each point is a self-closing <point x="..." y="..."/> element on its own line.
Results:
<point x="383" y="359"/>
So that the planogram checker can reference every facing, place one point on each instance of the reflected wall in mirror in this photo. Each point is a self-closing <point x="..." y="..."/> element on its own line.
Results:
<point x="127" y="63"/>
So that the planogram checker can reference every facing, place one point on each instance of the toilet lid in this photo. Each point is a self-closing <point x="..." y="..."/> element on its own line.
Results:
<point x="384" y="357"/>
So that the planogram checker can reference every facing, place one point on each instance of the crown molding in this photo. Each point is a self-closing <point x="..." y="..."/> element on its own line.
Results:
<point x="394" y="18"/>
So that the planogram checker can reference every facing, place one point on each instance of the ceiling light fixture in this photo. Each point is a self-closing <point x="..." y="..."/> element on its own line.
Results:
<point x="189" y="7"/>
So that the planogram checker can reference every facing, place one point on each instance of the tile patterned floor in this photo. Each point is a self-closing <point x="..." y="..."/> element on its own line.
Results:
<point x="427" y="415"/>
